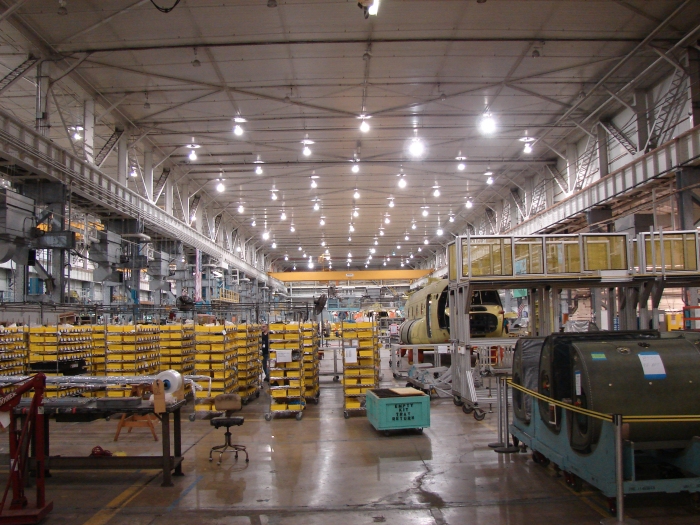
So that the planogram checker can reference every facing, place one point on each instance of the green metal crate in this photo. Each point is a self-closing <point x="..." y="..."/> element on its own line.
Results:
<point x="392" y="412"/>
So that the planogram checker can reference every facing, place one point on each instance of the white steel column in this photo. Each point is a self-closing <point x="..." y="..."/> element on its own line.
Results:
<point x="169" y="197"/>
<point x="148" y="172"/>
<point x="89" y="130"/>
<point x="122" y="158"/>
<point x="603" y="161"/>
<point x="694" y="70"/>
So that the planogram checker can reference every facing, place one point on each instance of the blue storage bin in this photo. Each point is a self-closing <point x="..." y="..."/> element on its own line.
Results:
<point x="400" y="408"/>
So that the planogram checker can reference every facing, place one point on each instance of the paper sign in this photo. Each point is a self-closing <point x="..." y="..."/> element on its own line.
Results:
<point x="394" y="329"/>
<point x="443" y="349"/>
<point x="578" y="383"/>
<point x="355" y="343"/>
<point x="351" y="354"/>
<point x="284" y="356"/>
<point x="652" y="365"/>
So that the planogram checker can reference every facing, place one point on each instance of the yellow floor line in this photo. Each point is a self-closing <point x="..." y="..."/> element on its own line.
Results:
<point x="583" y="497"/>
<point x="114" y="506"/>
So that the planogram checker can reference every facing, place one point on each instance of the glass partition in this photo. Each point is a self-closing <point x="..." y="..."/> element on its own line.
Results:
<point x="679" y="252"/>
<point x="487" y="256"/>
<point x="605" y="252"/>
<point x="563" y="254"/>
<point x="528" y="255"/>
<point x="452" y="261"/>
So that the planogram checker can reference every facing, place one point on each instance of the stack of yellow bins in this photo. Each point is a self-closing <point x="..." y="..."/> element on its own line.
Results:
<point x="310" y="341"/>
<point x="360" y="364"/>
<point x="13" y="350"/>
<point x="177" y="347"/>
<point x="287" y="385"/>
<point x="216" y="357"/>
<point x="132" y="350"/>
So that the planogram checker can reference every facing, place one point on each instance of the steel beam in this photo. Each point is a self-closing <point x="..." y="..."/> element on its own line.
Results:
<point x="25" y="147"/>
<point x="659" y="162"/>
<point x="355" y="275"/>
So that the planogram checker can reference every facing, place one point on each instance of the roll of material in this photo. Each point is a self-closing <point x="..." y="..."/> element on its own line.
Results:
<point x="172" y="380"/>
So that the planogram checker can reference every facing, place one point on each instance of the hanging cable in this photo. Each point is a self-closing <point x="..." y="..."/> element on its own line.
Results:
<point x="165" y="9"/>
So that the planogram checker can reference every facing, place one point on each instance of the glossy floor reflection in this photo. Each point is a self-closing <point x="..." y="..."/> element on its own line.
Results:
<point x="327" y="470"/>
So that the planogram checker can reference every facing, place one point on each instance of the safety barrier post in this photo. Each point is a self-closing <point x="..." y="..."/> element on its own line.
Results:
<point x="499" y="398"/>
<point x="619" y="478"/>
<point x="507" y="448"/>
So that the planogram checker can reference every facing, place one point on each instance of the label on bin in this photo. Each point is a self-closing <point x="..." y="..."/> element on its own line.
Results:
<point x="284" y="356"/>
<point x="598" y="356"/>
<point x="351" y="355"/>
<point x="652" y="365"/>
<point x="578" y="383"/>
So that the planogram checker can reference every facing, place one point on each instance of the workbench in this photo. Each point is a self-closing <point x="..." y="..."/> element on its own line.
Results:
<point x="78" y="409"/>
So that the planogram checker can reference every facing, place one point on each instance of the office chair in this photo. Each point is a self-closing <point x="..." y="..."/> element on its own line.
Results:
<point x="228" y="403"/>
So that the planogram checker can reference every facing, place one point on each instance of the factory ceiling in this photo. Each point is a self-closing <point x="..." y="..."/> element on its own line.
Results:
<point x="400" y="96"/>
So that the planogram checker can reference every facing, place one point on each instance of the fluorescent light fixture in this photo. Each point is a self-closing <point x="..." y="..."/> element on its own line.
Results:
<point x="238" y="130"/>
<point x="192" y="155"/>
<point x="322" y="222"/>
<point x="266" y="235"/>
<point x="134" y="173"/>
<point x="425" y="212"/>
<point x="402" y="182"/>
<point x="258" y="170"/>
<point x="387" y="220"/>
<point x="356" y="213"/>
<point x="452" y="218"/>
<point x="356" y="168"/>
<point x="489" y="181"/>
<point x="391" y="203"/>
<point x="528" y="148"/>
<point x="283" y="217"/>
<point x="274" y="196"/>
<point x="425" y="241"/>
<point x="440" y="231"/>
<point x="364" y="127"/>
<point x="356" y="195"/>
<point x="413" y="225"/>
<point x="416" y="148"/>
<point x="381" y="233"/>
<point x="241" y="209"/>
<point x="292" y="228"/>
<point x="352" y="228"/>
<point x="461" y="166"/>
<point x="487" y="125"/>
<point x="313" y="184"/>
<point x="436" y="193"/>
<point x="374" y="8"/>
<point x="274" y="245"/>
<point x="306" y="151"/>
<point x="286" y="257"/>
<point x="220" y="187"/>
<point x="405" y="238"/>
<point x="239" y="120"/>
<point x="316" y="206"/>
<point x="469" y="204"/>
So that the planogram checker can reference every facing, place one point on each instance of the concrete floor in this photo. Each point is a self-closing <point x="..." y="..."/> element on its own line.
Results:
<point x="326" y="470"/>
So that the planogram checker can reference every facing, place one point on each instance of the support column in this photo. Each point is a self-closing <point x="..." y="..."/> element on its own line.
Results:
<point x="148" y="172"/>
<point x="694" y="70"/>
<point x="640" y="109"/>
<point x="612" y="308"/>
<point x="685" y="178"/>
<point x="603" y="161"/>
<point x="123" y="158"/>
<point x="571" y="163"/>
<point x="89" y="130"/>
<point x="42" y="97"/>
<point x="169" y="197"/>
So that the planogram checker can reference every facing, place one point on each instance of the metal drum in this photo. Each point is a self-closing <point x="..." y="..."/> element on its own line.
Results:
<point x="555" y="373"/>
<point x="526" y="367"/>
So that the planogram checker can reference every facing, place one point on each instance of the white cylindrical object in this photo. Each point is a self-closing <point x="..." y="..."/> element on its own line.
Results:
<point x="172" y="380"/>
